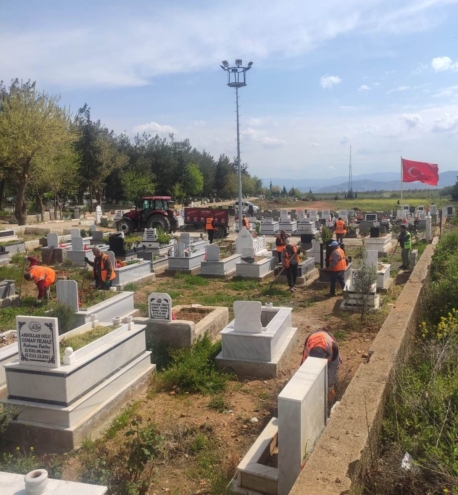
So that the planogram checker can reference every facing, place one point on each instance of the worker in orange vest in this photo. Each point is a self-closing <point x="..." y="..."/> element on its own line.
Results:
<point x="103" y="269"/>
<point x="210" y="228"/>
<point x="322" y="344"/>
<point x="246" y="222"/>
<point x="280" y="243"/>
<point x="337" y="265"/>
<point x="290" y="260"/>
<point x="340" y="230"/>
<point x="44" y="277"/>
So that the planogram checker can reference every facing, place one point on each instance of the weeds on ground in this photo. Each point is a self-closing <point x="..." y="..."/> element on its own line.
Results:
<point x="131" y="287"/>
<point x="194" y="369"/>
<point x="65" y="315"/>
<point x="219" y="403"/>
<point x="191" y="280"/>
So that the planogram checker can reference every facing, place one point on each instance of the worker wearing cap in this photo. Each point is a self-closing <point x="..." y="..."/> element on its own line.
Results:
<point x="44" y="277"/>
<point x="322" y="344"/>
<point x="290" y="260"/>
<point x="337" y="265"/>
<point x="340" y="230"/>
<point x="405" y="240"/>
<point x="280" y="243"/>
<point x="210" y="228"/>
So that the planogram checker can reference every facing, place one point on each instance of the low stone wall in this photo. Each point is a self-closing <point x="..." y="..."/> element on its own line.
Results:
<point x="343" y="453"/>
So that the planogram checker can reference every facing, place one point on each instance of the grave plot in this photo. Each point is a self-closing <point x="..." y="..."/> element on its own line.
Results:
<point x="382" y="244"/>
<point x="306" y="273"/>
<point x="157" y="244"/>
<point x="286" y="223"/>
<point x="7" y="293"/>
<point x="115" y="305"/>
<point x="77" y="393"/>
<point x="125" y="248"/>
<point x="182" y="325"/>
<point x="269" y="226"/>
<point x="187" y="255"/>
<point x="366" y="297"/>
<point x="214" y="266"/>
<point x="257" y="341"/>
<point x="256" y="261"/>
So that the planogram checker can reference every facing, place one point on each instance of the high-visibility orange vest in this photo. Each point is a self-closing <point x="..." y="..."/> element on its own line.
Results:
<point x="288" y="258"/>
<point x="209" y="224"/>
<point x="340" y="227"/>
<point x="43" y="273"/>
<point x="321" y="339"/>
<point x="103" y="270"/>
<point x="280" y="242"/>
<point x="341" y="264"/>
<point x="246" y="223"/>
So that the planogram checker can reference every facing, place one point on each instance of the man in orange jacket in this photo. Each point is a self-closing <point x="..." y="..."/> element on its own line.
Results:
<point x="322" y="344"/>
<point x="103" y="269"/>
<point x="340" y="230"/>
<point x="290" y="260"/>
<point x="210" y="228"/>
<point x="44" y="277"/>
<point x="337" y="265"/>
<point x="245" y="222"/>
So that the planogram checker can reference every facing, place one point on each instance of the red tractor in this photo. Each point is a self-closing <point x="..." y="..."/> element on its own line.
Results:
<point x="156" y="213"/>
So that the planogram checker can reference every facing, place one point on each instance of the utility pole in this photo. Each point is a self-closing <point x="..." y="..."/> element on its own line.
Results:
<point x="236" y="78"/>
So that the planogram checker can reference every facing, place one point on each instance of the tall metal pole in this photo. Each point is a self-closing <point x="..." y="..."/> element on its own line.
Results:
<point x="238" y="159"/>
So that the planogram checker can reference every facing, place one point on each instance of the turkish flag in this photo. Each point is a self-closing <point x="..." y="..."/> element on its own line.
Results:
<point x="428" y="173"/>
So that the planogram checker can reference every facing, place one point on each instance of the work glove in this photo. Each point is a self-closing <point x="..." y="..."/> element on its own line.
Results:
<point x="86" y="259"/>
<point x="107" y="283"/>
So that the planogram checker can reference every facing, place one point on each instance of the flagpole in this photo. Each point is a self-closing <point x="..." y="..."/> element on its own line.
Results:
<point x="402" y="177"/>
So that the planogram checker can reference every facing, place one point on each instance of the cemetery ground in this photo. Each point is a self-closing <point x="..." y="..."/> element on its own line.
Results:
<point x="188" y="432"/>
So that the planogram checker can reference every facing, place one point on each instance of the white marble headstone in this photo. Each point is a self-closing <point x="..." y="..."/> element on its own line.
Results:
<point x="372" y="258"/>
<point x="77" y="244"/>
<point x="159" y="306"/>
<point x="93" y="228"/>
<point x="38" y="341"/>
<point x="53" y="240"/>
<point x="247" y="316"/>
<point x="112" y="258"/>
<point x="325" y="213"/>
<point x="284" y="215"/>
<point x="213" y="252"/>
<point x="67" y="293"/>
<point x="245" y="242"/>
<point x="300" y="214"/>
<point x="313" y="214"/>
<point x="185" y="238"/>
<point x="150" y="235"/>
<point x="98" y="214"/>
<point x="75" y="233"/>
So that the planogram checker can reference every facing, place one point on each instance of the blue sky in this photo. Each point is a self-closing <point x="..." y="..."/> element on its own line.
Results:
<point x="379" y="75"/>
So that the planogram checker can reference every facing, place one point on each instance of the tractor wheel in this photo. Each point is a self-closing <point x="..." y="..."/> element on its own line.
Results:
<point x="221" y="232"/>
<point x="125" y="225"/>
<point x="159" y="222"/>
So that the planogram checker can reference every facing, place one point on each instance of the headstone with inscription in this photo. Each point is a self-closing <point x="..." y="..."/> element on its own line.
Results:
<point x="38" y="341"/>
<point x="160" y="306"/>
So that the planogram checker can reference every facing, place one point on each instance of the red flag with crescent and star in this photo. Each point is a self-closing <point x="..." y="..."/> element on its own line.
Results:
<point x="428" y="173"/>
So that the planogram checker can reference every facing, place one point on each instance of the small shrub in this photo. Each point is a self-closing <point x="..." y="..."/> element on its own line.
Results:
<point x="194" y="369"/>
<point x="163" y="237"/>
<point x="219" y="403"/>
<point x="326" y="234"/>
<point x="65" y="316"/>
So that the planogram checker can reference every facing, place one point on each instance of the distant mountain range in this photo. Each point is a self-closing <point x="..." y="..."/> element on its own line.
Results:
<point x="384" y="181"/>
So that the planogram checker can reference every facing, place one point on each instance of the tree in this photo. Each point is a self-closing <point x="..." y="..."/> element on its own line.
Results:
<point x="454" y="191"/>
<point x="34" y="129"/>
<point x="283" y="191"/>
<point x="192" y="180"/>
<point x="135" y="186"/>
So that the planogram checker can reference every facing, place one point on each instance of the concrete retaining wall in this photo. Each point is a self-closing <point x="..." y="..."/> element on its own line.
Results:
<point x="343" y="453"/>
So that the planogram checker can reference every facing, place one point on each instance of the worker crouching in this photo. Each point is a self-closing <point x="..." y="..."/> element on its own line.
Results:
<point x="290" y="260"/>
<point x="102" y="269"/>
<point x="322" y="344"/>
<point x="44" y="277"/>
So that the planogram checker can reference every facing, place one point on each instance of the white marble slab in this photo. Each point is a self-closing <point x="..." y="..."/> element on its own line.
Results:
<point x="302" y="414"/>
<point x="247" y="316"/>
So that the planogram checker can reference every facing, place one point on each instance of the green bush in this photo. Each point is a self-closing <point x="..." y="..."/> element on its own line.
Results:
<point x="194" y="369"/>
<point x="65" y="316"/>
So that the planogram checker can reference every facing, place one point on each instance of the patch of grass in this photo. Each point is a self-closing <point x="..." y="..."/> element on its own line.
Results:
<point x="79" y="341"/>
<point x="131" y="287"/>
<point x="191" y="280"/>
<point x="26" y="307"/>
<point x="194" y="369"/>
<point x="142" y="307"/>
<point x="174" y="294"/>
<point x="220" y="299"/>
<point x="65" y="315"/>
<point x="241" y="285"/>
<point x="219" y="403"/>
<point x="340" y="335"/>
<point x="122" y="420"/>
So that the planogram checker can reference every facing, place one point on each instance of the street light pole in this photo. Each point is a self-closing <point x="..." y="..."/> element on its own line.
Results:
<point x="235" y="80"/>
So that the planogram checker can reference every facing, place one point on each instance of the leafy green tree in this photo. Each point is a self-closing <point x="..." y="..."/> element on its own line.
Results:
<point x="192" y="180"/>
<point x="136" y="185"/>
<point x="454" y="191"/>
<point x="34" y="129"/>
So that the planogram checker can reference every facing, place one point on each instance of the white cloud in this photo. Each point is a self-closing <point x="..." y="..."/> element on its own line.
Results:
<point x="446" y="124"/>
<point x="154" y="128"/>
<point x="364" y="87"/>
<point x="399" y="88"/>
<point x="440" y="64"/>
<point x="420" y="68"/>
<point x="255" y="122"/>
<point x="257" y="136"/>
<point x="327" y="82"/>
<point x="447" y="92"/>
<point x="315" y="145"/>
<point x="330" y="167"/>
<point x="412" y="121"/>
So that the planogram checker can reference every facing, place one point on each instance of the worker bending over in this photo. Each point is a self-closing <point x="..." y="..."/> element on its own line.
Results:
<point x="43" y="276"/>
<point x="337" y="265"/>
<point x="210" y="228"/>
<point x="280" y="243"/>
<point x="322" y="344"/>
<point x="340" y="230"/>
<point x="102" y="269"/>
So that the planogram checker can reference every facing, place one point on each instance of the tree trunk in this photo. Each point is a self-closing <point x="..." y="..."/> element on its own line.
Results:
<point x="42" y="206"/>
<point x="90" y="199"/>
<point x="20" y="209"/>
<point x="2" y="192"/>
